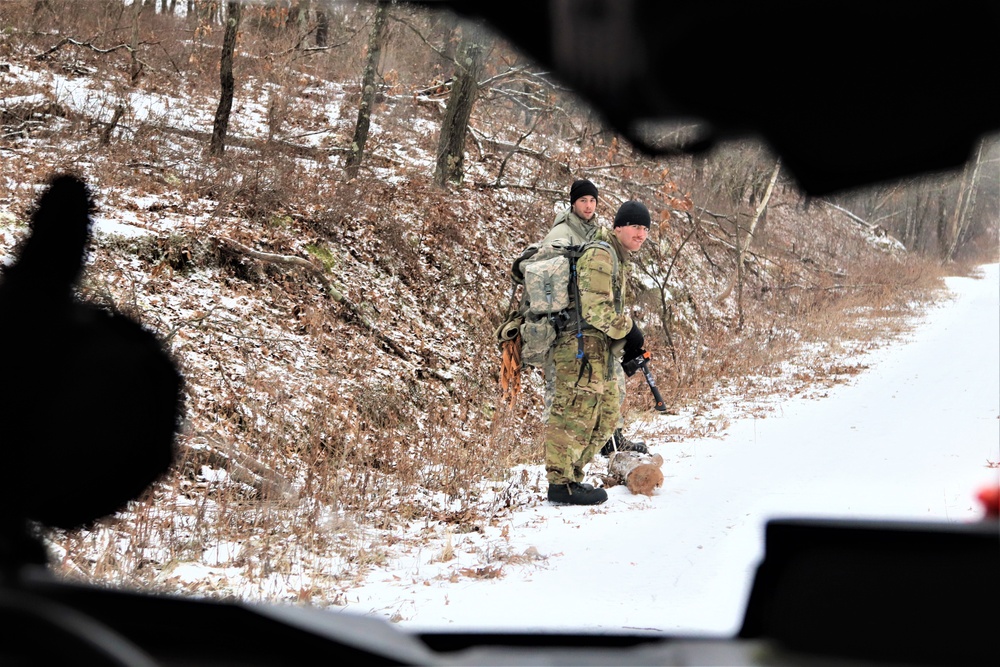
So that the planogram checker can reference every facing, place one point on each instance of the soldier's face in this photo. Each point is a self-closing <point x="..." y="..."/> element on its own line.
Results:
<point x="632" y="236"/>
<point x="585" y="206"/>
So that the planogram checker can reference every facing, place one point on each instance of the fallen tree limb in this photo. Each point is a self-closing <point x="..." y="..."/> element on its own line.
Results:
<point x="272" y="258"/>
<point x="294" y="150"/>
<point x="331" y="289"/>
<point x="87" y="45"/>
<point x="253" y="473"/>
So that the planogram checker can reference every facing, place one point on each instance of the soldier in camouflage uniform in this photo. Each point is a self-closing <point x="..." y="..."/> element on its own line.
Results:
<point x="576" y="225"/>
<point x="586" y="405"/>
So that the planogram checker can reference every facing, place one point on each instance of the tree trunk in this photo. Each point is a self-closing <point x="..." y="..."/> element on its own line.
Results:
<point x="106" y="132"/>
<point x="743" y="246"/>
<point x="454" y="127"/>
<point x="444" y="30"/>
<point x="942" y="223"/>
<point x="228" y="84"/>
<point x="208" y="10"/>
<point x="376" y="40"/>
<point x="966" y="193"/>
<point x="949" y="224"/>
<point x="322" y="25"/>
<point x="298" y="14"/>
<point x="136" y="66"/>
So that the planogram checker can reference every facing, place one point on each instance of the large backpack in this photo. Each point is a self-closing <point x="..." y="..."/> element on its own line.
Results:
<point x="550" y="298"/>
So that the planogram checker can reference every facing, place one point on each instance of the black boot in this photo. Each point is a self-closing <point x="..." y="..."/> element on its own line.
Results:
<point x="618" y="442"/>
<point x="576" y="494"/>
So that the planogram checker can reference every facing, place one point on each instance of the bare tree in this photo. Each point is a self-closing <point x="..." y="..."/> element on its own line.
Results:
<point x="228" y="84"/>
<point x="744" y="245"/>
<point x="208" y="11"/>
<point x="443" y="30"/>
<point x="298" y="14"/>
<point x="960" y="220"/>
<point x="322" y="23"/>
<point x="464" y="90"/>
<point x="741" y="242"/>
<point x="136" y="67"/>
<point x="376" y="40"/>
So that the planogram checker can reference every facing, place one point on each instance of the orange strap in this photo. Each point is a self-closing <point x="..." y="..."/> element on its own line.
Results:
<point x="510" y="369"/>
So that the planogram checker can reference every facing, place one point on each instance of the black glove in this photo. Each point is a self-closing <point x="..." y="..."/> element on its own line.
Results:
<point x="633" y="364"/>
<point x="634" y="340"/>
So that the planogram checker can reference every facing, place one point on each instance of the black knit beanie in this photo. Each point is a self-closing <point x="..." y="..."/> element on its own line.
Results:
<point x="581" y="188"/>
<point x="632" y="213"/>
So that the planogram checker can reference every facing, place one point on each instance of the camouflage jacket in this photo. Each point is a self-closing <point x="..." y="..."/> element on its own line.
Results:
<point x="572" y="228"/>
<point x="567" y="229"/>
<point x="602" y="288"/>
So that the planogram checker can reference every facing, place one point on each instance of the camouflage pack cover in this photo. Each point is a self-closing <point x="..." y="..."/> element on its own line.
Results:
<point x="547" y="285"/>
<point x="546" y="271"/>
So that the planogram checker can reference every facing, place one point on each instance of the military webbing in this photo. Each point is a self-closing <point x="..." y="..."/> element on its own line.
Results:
<point x="580" y="354"/>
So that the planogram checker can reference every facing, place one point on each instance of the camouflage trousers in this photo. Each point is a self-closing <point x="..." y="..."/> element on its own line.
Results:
<point x="585" y="409"/>
<point x="550" y="388"/>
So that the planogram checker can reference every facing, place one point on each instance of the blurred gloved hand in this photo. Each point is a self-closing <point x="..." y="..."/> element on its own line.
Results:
<point x="90" y="402"/>
<point x="634" y="341"/>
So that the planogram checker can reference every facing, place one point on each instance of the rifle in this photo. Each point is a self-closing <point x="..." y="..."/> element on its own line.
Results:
<point x="641" y="362"/>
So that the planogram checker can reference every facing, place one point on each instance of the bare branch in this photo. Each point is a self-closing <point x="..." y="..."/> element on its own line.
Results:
<point x="423" y="39"/>
<point x="69" y="40"/>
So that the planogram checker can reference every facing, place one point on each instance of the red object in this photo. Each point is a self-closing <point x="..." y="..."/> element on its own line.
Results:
<point x="989" y="496"/>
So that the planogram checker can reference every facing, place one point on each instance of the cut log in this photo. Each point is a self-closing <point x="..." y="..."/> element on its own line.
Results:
<point x="639" y="472"/>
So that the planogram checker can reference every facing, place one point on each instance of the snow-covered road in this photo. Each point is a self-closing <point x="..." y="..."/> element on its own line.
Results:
<point x="913" y="437"/>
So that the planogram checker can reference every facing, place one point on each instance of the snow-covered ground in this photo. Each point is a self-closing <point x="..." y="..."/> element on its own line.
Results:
<point x="913" y="437"/>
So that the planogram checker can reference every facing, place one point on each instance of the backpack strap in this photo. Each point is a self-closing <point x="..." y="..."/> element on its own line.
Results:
<point x="577" y="252"/>
<point x="575" y="286"/>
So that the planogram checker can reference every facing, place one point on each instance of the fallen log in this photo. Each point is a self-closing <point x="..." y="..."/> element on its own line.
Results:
<point x="639" y="472"/>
